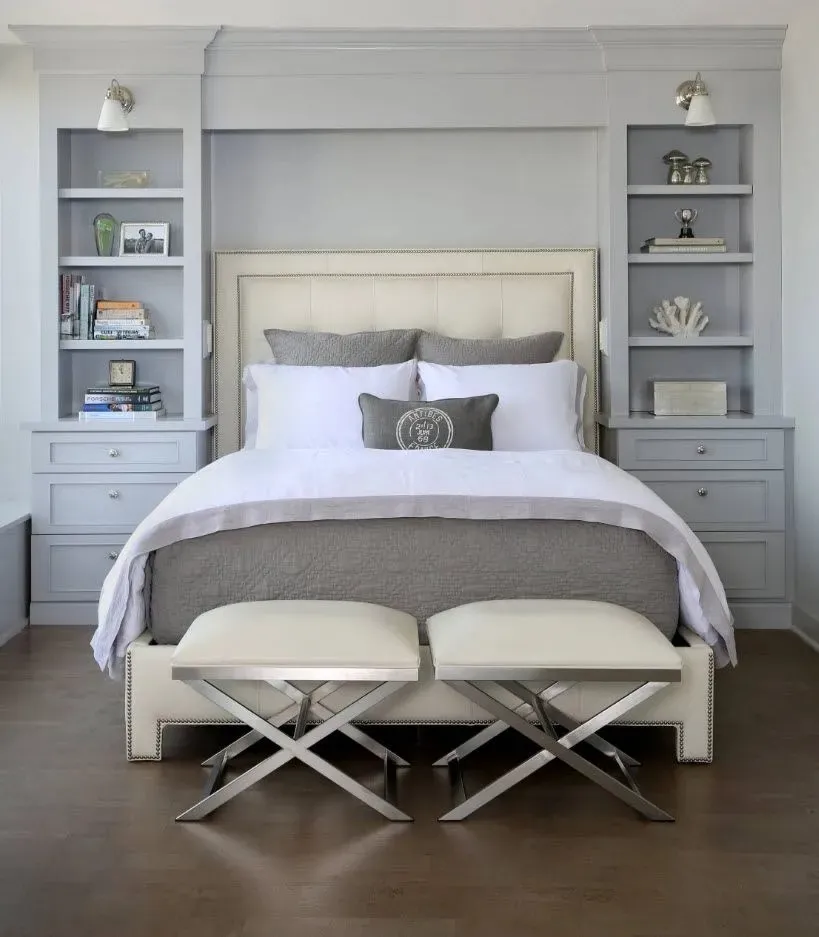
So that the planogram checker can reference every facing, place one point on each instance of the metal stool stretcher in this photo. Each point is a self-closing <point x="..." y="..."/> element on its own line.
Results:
<point x="560" y="643"/>
<point x="279" y="643"/>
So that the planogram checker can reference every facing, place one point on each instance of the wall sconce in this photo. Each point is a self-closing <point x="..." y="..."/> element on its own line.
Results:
<point x="118" y="102"/>
<point x="694" y="97"/>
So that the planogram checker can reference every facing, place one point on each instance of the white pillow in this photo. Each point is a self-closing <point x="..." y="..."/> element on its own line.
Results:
<point x="304" y="407"/>
<point x="540" y="408"/>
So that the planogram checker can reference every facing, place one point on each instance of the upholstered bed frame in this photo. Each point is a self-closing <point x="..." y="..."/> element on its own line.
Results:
<point x="463" y="293"/>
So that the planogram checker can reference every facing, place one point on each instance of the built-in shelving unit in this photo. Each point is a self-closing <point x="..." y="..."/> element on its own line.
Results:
<point x="150" y="344"/>
<point x="114" y="194"/>
<point x="678" y="191"/>
<point x="691" y="344"/>
<point x="148" y="261"/>
<point x="693" y="258"/>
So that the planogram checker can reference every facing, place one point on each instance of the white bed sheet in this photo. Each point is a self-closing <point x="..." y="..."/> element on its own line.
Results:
<point x="261" y="487"/>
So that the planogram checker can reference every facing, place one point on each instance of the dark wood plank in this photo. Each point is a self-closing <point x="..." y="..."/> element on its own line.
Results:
<point x="88" y="845"/>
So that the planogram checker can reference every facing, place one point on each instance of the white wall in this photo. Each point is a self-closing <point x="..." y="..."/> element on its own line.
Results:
<point x="800" y="179"/>
<point x="19" y="267"/>
<point x="19" y="375"/>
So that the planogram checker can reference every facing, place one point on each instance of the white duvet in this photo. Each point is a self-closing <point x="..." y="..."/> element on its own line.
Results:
<point x="261" y="487"/>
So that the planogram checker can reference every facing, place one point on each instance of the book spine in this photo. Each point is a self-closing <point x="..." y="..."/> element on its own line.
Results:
<point x="92" y="306"/>
<point x="117" y="315"/>
<point x="84" y="332"/>
<point x="123" y="335"/>
<point x="672" y="242"/>
<point x="114" y="389"/>
<point x="120" y="407"/>
<point x="119" y="304"/>
<point x="65" y="305"/>
<point x="122" y="398"/>
<point x="702" y="249"/>
<point x="114" y="324"/>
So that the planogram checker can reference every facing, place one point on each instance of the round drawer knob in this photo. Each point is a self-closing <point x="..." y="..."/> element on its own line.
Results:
<point x="702" y="492"/>
<point x="113" y="494"/>
<point x="113" y="555"/>
<point x="701" y="450"/>
<point x="113" y="453"/>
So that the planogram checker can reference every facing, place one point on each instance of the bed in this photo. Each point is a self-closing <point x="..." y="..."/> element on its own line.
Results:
<point x="422" y="564"/>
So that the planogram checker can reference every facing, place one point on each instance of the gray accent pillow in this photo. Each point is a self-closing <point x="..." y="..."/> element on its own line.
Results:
<point x="457" y="423"/>
<point x="530" y="349"/>
<point x="329" y="349"/>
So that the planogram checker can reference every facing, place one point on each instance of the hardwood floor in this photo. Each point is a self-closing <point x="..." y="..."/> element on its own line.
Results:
<point x="89" y="848"/>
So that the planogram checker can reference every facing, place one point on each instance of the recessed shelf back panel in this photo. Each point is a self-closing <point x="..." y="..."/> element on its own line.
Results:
<point x="648" y="145"/>
<point x="83" y="153"/>
<point x="677" y="364"/>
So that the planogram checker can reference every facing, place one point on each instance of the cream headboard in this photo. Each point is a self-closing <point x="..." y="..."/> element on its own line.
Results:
<point x="462" y="293"/>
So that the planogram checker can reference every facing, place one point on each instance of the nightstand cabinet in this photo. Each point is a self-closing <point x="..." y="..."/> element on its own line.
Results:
<point x="732" y="488"/>
<point x="90" y="490"/>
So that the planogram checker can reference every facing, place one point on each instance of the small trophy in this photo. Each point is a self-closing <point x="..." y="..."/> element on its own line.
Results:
<point x="686" y="217"/>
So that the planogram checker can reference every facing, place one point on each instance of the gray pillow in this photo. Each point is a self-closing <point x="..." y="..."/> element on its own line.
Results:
<point x="356" y="350"/>
<point x="531" y="349"/>
<point x="457" y="423"/>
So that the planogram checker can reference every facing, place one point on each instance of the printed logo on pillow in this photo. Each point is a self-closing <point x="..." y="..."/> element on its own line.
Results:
<point x="425" y="428"/>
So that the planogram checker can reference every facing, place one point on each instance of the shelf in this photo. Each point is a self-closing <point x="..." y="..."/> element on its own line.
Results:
<point x="694" y="258"/>
<point x="674" y="191"/>
<point x="704" y="341"/>
<point x="118" y="193"/>
<point x="736" y="419"/>
<point x="171" y="422"/>
<point x="129" y="261"/>
<point x="143" y="344"/>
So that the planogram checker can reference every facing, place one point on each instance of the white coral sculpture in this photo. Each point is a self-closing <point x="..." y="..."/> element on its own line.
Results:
<point x="680" y="318"/>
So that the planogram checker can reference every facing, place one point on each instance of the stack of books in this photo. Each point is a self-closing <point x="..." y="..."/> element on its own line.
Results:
<point x="693" y="245"/>
<point x="77" y="301"/>
<point x="141" y="402"/>
<point x="117" y="319"/>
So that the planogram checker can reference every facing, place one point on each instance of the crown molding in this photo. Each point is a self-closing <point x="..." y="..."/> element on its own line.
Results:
<point x="716" y="48"/>
<point x="132" y="50"/>
<point x="268" y="52"/>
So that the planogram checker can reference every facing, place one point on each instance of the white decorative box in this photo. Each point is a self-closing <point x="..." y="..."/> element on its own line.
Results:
<point x="690" y="398"/>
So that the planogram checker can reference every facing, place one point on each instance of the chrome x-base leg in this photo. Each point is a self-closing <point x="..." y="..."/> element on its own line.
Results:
<point x="316" y="708"/>
<point x="552" y="746"/>
<point x="546" y="695"/>
<point x="299" y="746"/>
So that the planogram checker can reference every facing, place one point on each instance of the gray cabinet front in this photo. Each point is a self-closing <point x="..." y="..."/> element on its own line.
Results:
<point x="113" y="503"/>
<point x="723" y="500"/>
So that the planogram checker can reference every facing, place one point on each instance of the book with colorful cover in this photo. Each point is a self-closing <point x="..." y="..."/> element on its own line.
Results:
<point x="123" y="398"/>
<point x="121" y="407"/>
<point x="123" y="416"/>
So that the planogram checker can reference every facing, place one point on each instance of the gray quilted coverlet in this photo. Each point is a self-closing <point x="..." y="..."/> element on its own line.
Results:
<point x="416" y="565"/>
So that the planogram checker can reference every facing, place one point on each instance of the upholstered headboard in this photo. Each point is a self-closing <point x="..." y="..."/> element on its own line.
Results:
<point x="462" y="293"/>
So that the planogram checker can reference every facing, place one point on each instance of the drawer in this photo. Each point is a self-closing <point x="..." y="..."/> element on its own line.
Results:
<point x="71" y="569"/>
<point x="751" y="565"/>
<point x="102" y="504"/>
<point x="114" y="452"/>
<point x="683" y="448"/>
<point x="723" y="500"/>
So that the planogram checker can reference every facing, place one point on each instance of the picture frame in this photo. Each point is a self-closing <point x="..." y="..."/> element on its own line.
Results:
<point x="144" y="238"/>
<point x="121" y="372"/>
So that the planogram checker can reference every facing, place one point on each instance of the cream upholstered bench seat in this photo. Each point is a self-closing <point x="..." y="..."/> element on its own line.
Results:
<point x="279" y="642"/>
<point x="485" y="648"/>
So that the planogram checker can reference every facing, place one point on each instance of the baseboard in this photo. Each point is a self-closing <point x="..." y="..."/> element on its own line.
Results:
<point x="7" y="632"/>
<point x="63" y="613"/>
<point x="762" y="616"/>
<point x="806" y="626"/>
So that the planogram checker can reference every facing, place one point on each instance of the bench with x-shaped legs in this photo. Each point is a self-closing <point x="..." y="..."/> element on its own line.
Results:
<point x="491" y="651"/>
<point x="286" y="643"/>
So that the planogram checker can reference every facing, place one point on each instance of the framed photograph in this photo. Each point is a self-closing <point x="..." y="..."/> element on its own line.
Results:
<point x="137" y="238"/>
<point x="121" y="373"/>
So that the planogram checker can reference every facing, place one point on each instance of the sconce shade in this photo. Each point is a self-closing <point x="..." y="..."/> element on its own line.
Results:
<point x="112" y="117"/>
<point x="118" y="102"/>
<point x="700" y="113"/>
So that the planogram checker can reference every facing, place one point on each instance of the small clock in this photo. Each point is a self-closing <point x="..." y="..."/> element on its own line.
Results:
<point x="122" y="373"/>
